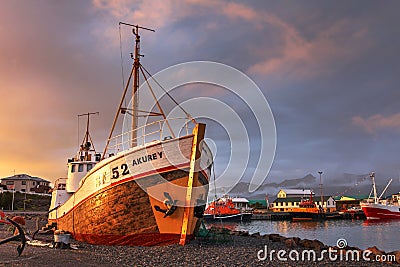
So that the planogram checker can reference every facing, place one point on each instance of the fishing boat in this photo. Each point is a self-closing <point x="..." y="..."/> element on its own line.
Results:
<point x="308" y="211"/>
<point x="376" y="208"/>
<point x="223" y="209"/>
<point x="149" y="188"/>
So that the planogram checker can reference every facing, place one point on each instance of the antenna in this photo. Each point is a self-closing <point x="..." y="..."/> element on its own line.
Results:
<point x="85" y="146"/>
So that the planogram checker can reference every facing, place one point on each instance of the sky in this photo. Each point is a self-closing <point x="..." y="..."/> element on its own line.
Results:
<point x="328" y="69"/>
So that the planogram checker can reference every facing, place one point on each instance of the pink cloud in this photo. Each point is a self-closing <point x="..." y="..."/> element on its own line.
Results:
<point x="304" y="58"/>
<point x="377" y="122"/>
<point x="235" y="10"/>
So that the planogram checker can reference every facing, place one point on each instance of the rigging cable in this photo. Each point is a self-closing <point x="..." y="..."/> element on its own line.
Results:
<point x="165" y="91"/>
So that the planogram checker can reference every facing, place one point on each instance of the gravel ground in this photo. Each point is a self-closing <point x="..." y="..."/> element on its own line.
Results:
<point x="240" y="251"/>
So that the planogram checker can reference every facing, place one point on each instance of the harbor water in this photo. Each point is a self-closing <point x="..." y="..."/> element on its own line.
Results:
<point x="358" y="233"/>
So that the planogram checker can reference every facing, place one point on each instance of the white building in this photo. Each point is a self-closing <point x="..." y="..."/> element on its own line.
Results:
<point x="25" y="183"/>
<point x="241" y="203"/>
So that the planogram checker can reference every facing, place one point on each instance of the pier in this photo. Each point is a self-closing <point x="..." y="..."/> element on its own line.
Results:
<point x="281" y="216"/>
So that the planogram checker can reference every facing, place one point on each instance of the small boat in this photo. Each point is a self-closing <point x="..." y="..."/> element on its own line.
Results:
<point x="223" y="209"/>
<point x="149" y="186"/>
<point x="377" y="208"/>
<point x="308" y="211"/>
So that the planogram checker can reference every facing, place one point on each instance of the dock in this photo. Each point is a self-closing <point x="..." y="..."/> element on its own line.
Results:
<point x="272" y="216"/>
<point x="281" y="216"/>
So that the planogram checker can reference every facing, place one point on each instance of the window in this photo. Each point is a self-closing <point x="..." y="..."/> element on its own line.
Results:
<point x="9" y="182"/>
<point x="72" y="168"/>
<point x="89" y="166"/>
<point x="22" y="190"/>
<point x="80" y="168"/>
<point x="33" y="183"/>
<point x="23" y="182"/>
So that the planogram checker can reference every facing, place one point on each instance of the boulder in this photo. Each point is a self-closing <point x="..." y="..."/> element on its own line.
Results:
<point x="256" y="235"/>
<point x="18" y="219"/>
<point x="275" y="238"/>
<point x="396" y="254"/>
<point x="296" y="239"/>
<point x="311" y="244"/>
<point x="375" y="251"/>
<point x="290" y="243"/>
<point x="244" y="233"/>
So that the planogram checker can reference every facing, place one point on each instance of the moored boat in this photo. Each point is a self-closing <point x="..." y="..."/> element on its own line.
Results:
<point x="375" y="208"/>
<point x="223" y="209"/>
<point x="308" y="211"/>
<point x="150" y="188"/>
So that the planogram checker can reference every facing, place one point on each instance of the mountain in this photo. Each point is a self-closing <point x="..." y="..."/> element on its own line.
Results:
<point x="345" y="184"/>
<point x="242" y="188"/>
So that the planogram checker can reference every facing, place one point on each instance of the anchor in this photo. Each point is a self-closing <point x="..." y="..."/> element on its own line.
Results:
<point x="169" y="204"/>
<point x="19" y="237"/>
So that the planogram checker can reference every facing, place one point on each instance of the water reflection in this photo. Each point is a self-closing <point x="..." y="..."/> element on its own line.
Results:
<point x="363" y="234"/>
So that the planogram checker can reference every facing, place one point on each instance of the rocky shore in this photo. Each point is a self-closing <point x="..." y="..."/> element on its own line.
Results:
<point x="236" y="249"/>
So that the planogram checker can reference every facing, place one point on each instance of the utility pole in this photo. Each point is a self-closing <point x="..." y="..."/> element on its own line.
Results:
<point x="321" y="189"/>
<point x="12" y="203"/>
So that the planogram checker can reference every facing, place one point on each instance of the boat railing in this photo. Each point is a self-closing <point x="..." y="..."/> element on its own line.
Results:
<point x="156" y="131"/>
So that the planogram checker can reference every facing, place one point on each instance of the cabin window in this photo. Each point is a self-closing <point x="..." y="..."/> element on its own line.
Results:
<point x="9" y="182"/>
<point x="23" y="182"/>
<point x="89" y="167"/>
<point x="72" y="168"/>
<point x="80" y="168"/>
<point x="33" y="183"/>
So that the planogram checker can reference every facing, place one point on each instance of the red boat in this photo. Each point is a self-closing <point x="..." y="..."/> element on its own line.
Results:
<point x="223" y="209"/>
<point x="375" y="208"/>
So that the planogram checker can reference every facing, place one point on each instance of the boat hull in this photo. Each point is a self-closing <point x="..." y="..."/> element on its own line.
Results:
<point x="228" y="217"/>
<point x="123" y="214"/>
<point x="381" y="212"/>
<point x="155" y="203"/>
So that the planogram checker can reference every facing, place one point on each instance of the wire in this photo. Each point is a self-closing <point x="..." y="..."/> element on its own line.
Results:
<point x="165" y="91"/>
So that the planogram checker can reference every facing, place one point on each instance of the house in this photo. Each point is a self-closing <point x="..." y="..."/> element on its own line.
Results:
<point x="287" y="204"/>
<point x="285" y="193"/>
<point x="25" y="183"/>
<point x="241" y="203"/>
<point x="346" y="202"/>
<point x="287" y="199"/>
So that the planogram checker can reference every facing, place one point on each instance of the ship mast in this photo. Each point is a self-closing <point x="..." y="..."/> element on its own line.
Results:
<point x="135" y="85"/>
<point x="372" y="175"/>
<point x="86" y="145"/>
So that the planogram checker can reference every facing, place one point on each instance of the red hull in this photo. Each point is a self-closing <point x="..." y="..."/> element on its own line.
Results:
<point x="375" y="212"/>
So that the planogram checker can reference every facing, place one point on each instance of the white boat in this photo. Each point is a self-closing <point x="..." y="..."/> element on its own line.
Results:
<point x="150" y="190"/>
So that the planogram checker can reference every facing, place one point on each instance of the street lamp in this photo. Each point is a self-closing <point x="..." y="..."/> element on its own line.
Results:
<point x="320" y="188"/>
